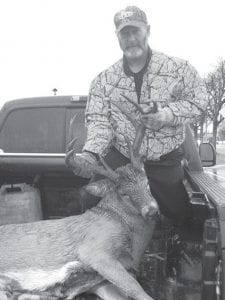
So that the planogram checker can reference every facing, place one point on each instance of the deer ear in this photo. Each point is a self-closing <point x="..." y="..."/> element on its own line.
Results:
<point x="100" y="188"/>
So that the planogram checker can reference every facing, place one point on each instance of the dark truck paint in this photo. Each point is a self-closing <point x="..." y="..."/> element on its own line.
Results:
<point x="181" y="262"/>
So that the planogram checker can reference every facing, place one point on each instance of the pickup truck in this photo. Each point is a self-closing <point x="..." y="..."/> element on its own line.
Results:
<point x="180" y="262"/>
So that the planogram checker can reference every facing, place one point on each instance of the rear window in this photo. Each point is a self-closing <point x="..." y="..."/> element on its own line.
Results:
<point x="40" y="130"/>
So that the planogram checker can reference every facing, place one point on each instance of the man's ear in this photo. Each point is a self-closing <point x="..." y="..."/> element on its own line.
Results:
<point x="100" y="188"/>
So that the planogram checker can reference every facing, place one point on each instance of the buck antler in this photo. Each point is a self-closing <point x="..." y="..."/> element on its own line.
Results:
<point x="104" y="170"/>
<point x="140" y="129"/>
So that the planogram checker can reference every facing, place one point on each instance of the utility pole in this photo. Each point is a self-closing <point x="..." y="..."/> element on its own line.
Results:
<point x="55" y="91"/>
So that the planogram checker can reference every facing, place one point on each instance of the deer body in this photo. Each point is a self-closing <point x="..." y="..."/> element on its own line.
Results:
<point x="108" y="239"/>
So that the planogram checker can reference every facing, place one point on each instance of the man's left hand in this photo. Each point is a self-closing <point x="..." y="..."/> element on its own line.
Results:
<point x="156" y="121"/>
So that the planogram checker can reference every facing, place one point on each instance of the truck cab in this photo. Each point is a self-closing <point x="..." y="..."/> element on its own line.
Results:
<point x="185" y="261"/>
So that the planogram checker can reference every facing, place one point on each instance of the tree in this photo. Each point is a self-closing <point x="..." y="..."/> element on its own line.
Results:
<point x="198" y="127"/>
<point x="215" y="84"/>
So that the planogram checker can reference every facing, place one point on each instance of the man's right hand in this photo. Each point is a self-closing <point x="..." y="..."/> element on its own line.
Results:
<point x="83" y="164"/>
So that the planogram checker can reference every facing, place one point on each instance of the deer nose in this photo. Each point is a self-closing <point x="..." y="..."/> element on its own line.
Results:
<point x="149" y="210"/>
<point x="145" y="211"/>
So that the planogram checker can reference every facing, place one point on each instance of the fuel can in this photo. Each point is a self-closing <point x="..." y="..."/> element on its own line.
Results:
<point x="19" y="203"/>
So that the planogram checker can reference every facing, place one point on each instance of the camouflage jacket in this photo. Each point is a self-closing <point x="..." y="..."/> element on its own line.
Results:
<point x="169" y="81"/>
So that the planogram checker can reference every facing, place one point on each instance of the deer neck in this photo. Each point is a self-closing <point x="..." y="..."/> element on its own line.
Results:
<point x="119" y="209"/>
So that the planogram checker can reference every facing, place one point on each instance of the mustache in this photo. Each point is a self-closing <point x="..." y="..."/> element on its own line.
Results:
<point x="132" y="46"/>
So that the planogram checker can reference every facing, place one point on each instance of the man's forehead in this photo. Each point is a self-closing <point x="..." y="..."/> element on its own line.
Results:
<point x="130" y="28"/>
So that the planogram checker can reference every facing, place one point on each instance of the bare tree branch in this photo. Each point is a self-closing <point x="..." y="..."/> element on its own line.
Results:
<point x="215" y="85"/>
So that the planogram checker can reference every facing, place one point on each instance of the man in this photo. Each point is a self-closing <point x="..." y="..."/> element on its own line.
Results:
<point x="146" y="77"/>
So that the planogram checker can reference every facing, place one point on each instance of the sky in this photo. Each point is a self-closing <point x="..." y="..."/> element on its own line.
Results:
<point x="64" y="44"/>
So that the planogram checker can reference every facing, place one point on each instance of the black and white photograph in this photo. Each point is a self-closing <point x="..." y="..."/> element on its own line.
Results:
<point x="112" y="150"/>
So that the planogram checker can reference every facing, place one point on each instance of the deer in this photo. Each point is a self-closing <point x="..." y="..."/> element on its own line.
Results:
<point x="95" y="252"/>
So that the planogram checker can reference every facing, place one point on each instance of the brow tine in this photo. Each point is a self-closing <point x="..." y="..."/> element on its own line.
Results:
<point x="133" y="159"/>
<point x="70" y="134"/>
<point x="71" y="144"/>
<point x="69" y="153"/>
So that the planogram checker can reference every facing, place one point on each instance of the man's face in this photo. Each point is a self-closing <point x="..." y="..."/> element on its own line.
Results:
<point x="133" y="41"/>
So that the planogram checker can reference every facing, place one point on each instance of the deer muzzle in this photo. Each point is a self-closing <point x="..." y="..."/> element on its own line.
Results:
<point x="149" y="210"/>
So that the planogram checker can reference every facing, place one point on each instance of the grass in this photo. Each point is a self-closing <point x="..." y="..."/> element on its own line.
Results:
<point x="220" y="159"/>
<point x="220" y="154"/>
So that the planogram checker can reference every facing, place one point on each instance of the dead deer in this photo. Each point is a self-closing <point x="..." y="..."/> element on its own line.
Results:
<point x="59" y="259"/>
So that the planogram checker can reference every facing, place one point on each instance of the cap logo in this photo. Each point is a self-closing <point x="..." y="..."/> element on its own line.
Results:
<point x="125" y="14"/>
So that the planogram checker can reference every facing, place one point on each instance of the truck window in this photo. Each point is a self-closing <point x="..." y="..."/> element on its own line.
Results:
<point x="37" y="130"/>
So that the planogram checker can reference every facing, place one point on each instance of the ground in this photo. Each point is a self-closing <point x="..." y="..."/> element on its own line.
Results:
<point x="220" y="154"/>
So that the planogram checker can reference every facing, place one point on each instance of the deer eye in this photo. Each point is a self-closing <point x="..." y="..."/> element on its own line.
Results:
<point x="123" y="191"/>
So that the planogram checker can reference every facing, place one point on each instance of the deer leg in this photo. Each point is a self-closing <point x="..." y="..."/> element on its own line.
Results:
<point x="140" y="242"/>
<point x="107" y="291"/>
<point x="112" y="270"/>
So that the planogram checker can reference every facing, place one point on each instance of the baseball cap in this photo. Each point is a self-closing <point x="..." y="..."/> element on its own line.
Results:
<point x="130" y="16"/>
